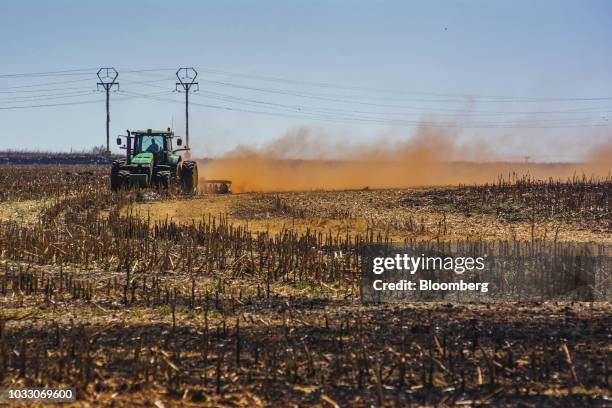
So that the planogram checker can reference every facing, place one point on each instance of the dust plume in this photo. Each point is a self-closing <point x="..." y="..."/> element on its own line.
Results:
<point x="306" y="159"/>
<point x="600" y="157"/>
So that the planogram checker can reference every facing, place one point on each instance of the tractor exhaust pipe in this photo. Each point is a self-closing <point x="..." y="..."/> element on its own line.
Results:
<point x="128" y="145"/>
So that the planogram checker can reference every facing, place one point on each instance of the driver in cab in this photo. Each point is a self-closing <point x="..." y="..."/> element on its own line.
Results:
<point x="153" y="147"/>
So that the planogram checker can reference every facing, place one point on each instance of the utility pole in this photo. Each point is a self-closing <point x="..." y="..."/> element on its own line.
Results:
<point x="107" y="77"/>
<point x="186" y="77"/>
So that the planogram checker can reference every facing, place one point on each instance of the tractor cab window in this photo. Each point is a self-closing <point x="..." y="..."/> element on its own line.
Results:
<point x="150" y="144"/>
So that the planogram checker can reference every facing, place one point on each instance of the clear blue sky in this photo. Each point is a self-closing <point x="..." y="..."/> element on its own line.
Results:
<point x="443" y="59"/>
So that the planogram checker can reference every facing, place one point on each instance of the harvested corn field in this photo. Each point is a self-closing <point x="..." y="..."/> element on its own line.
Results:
<point x="153" y="298"/>
<point x="449" y="213"/>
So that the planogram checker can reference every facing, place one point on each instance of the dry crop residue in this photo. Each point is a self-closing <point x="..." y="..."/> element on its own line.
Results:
<point x="399" y="213"/>
<point x="140" y="312"/>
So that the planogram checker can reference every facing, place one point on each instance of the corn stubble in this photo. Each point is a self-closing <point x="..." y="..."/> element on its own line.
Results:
<point x="135" y="311"/>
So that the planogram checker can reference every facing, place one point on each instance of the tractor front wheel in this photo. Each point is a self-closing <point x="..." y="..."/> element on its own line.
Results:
<point x="163" y="180"/>
<point x="124" y="176"/>
<point x="189" y="177"/>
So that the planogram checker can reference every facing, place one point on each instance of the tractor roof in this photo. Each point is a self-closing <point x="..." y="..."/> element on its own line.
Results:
<point x="153" y="132"/>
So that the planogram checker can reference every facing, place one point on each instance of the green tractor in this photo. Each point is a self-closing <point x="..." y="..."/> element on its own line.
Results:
<point x="151" y="161"/>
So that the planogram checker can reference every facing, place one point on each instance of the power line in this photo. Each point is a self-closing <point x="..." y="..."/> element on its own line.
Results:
<point x="463" y="97"/>
<point x="50" y="105"/>
<point x="46" y="84"/>
<point x="297" y="110"/>
<point x="71" y="88"/>
<point x="30" y="91"/>
<point x="89" y="101"/>
<point x="353" y="101"/>
<point x="447" y="96"/>
<point x="128" y="71"/>
<point x="344" y="119"/>
<point x="66" y="72"/>
<point x="45" y="97"/>
<point x="301" y="108"/>
<point x="149" y="82"/>
<point x="328" y="97"/>
<point x="300" y="115"/>
<point x="460" y="112"/>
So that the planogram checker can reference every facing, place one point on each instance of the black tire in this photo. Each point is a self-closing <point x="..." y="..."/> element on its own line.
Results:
<point x="163" y="181"/>
<point x="124" y="176"/>
<point x="189" y="177"/>
<point x="115" y="177"/>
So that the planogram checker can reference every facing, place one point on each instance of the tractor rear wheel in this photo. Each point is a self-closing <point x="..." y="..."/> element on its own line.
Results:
<point x="189" y="177"/>
<point x="115" y="177"/>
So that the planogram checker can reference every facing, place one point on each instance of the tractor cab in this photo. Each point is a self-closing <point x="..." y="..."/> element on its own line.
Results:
<point x="151" y="143"/>
<point x="157" y="143"/>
